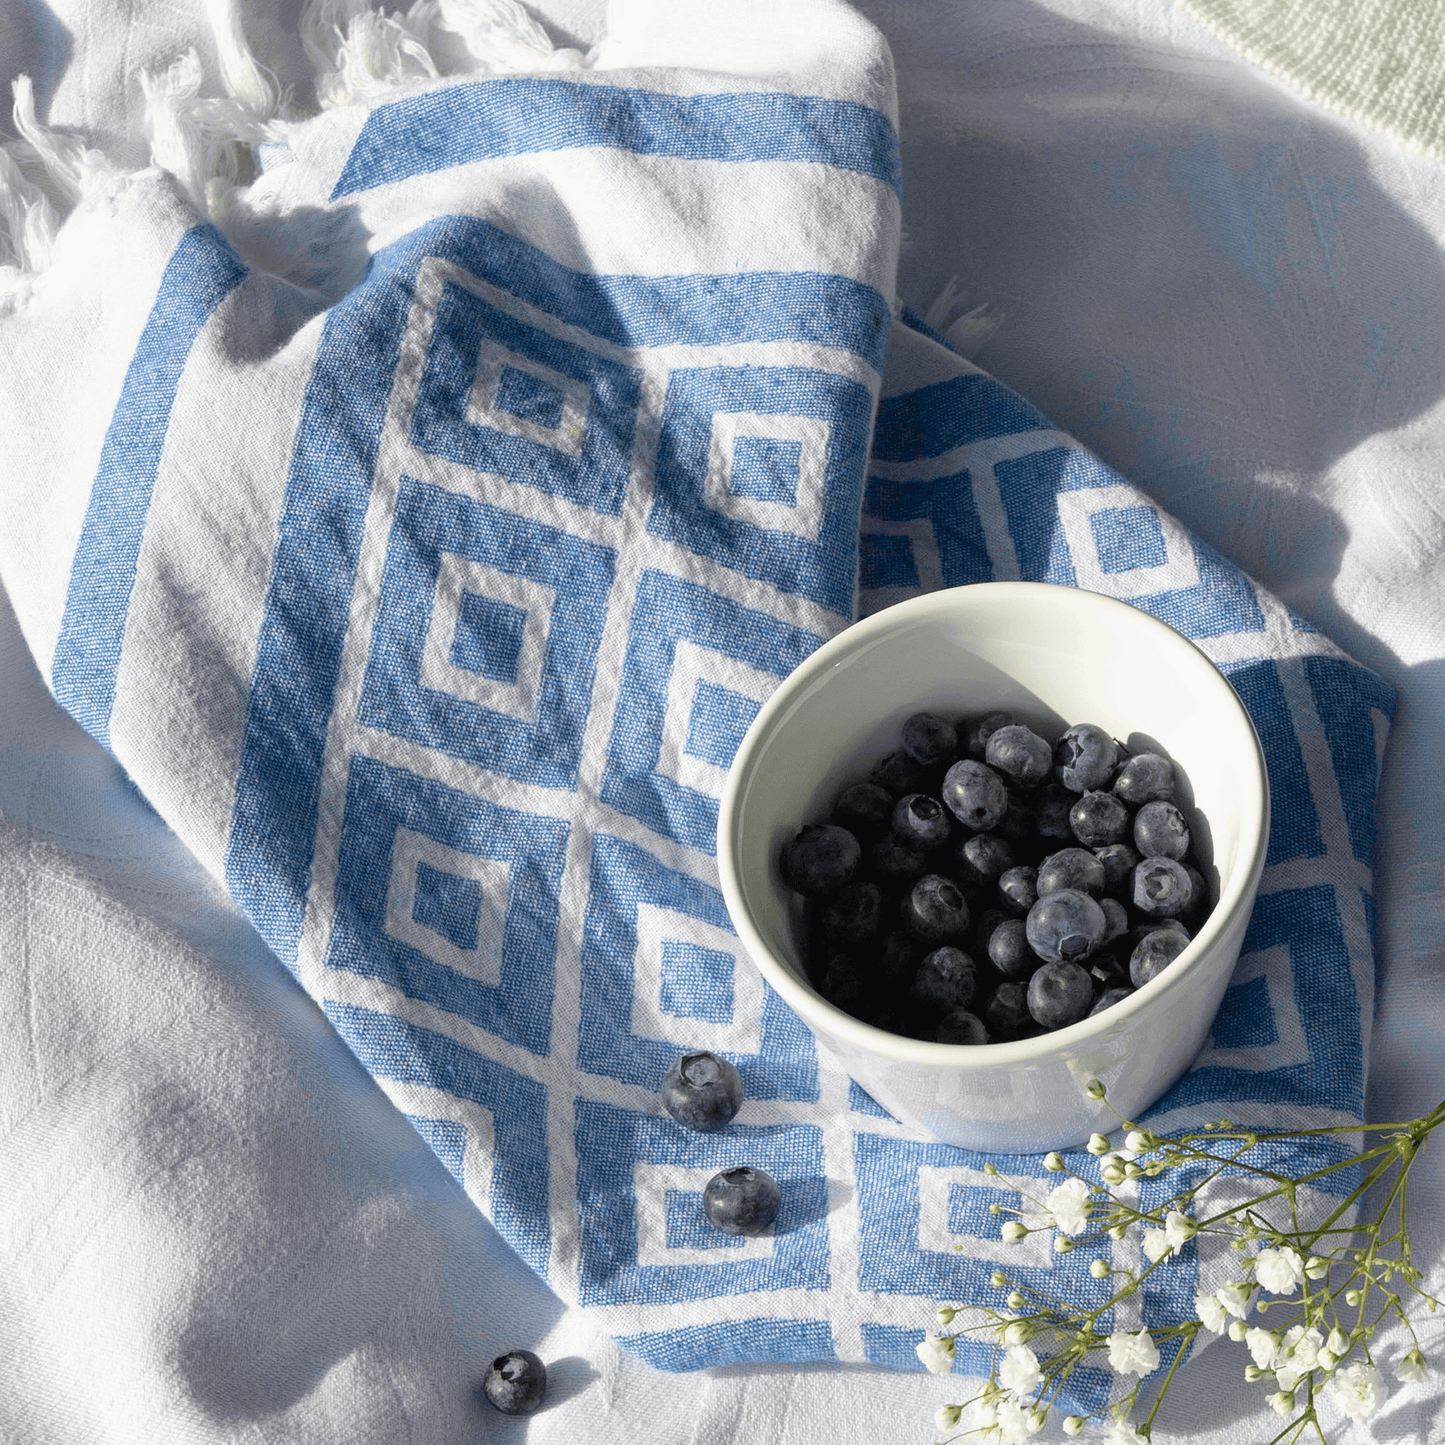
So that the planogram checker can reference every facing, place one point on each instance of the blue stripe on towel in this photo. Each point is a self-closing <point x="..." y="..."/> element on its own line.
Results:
<point x="201" y="273"/>
<point x="519" y="116"/>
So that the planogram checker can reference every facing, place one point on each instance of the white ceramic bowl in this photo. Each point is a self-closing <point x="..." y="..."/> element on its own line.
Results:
<point x="1053" y="656"/>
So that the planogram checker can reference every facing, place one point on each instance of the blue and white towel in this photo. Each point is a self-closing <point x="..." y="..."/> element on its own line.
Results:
<point x="422" y="526"/>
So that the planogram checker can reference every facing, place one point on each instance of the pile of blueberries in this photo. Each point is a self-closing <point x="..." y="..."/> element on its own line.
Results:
<point x="983" y="885"/>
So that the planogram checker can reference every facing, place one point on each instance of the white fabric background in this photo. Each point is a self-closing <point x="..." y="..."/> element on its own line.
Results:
<point x="1235" y="298"/>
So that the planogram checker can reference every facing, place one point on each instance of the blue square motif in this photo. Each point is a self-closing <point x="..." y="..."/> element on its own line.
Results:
<point x="668" y="609"/>
<point x="523" y="395"/>
<point x="612" y="1141"/>
<point x="766" y="469"/>
<point x="488" y="639"/>
<point x="822" y="566"/>
<point x="623" y="878"/>
<point x="432" y="523"/>
<point x="1245" y="1019"/>
<point x="1126" y="538"/>
<point x="448" y="905"/>
<point x="379" y="800"/>
<point x="590" y="469"/>
<point x="718" y="722"/>
<point x="697" y="983"/>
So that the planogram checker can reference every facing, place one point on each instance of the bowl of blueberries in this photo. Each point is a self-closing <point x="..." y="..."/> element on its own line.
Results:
<point x="994" y="843"/>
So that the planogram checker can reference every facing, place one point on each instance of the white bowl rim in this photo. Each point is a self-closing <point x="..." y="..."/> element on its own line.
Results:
<point x="811" y="1006"/>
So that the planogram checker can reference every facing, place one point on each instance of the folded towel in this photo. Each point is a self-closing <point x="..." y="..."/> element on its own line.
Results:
<point x="422" y="538"/>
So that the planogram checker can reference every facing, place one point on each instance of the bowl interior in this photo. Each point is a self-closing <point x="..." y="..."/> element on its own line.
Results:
<point x="1054" y="656"/>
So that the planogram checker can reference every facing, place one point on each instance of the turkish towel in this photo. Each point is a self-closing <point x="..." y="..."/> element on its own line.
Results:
<point x="421" y="523"/>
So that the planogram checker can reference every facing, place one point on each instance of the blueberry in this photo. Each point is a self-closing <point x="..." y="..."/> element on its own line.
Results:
<point x="821" y="860"/>
<point x="974" y="733"/>
<point x="1020" y="753"/>
<point x="981" y="860"/>
<point x="1085" y="758"/>
<point x="960" y="1027"/>
<point x="1099" y="819"/>
<point x="975" y="795"/>
<point x="1138" y="934"/>
<point x="920" y="821"/>
<point x="1162" y="888"/>
<point x="1052" y="807"/>
<point x="845" y="985"/>
<point x="1154" y="954"/>
<point x="515" y="1383"/>
<point x="935" y="910"/>
<point x="863" y="809"/>
<point x="1109" y="998"/>
<point x="1066" y="926"/>
<point x="1160" y="831"/>
<point x="896" y="962"/>
<point x="1144" y="778"/>
<point x="1005" y="1013"/>
<point x="1075" y="868"/>
<point x="895" y="862"/>
<point x="1119" y="861"/>
<point x="983" y="927"/>
<point x="1200" y="896"/>
<point x="702" y="1091"/>
<point x="929" y="739"/>
<point x="1018" y="888"/>
<point x="741" y="1200"/>
<point x="899" y="774"/>
<point x="1009" y="951"/>
<point x="1016" y="826"/>
<point x="853" y="920"/>
<point x="945" y="981"/>
<point x="1116" y="919"/>
<point x="1060" y="994"/>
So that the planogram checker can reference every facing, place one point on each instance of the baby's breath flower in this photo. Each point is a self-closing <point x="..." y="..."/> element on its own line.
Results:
<point x="947" y="1416"/>
<point x="1019" y="1371"/>
<point x="1356" y="1390"/>
<point x="1327" y="1359"/>
<point x="1100" y="1269"/>
<point x="1053" y="1162"/>
<point x="1211" y="1313"/>
<point x="1012" y="1232"/>
<point x="936" y="1352"/>
<point x="1073" y="1424"/>
<point x="1133" y="1354"/>
<point x="1016" y="1333"/>
<point x="1338" y="1343"/>
<point x="1068" y="1206"/>
<point x="1286" y="1377"/>
<point x="1264" y="1346"/>
<point x="1282" y="1403"/>
<point x="1094" y="1089"/>
<point x="1302" y="1347"/>
<point x="1117" y="1231"/>
<point x="998" y="1279"/>
<point x="1316" y="1268"/>
<point x="1411" y="1370"/>
<point x="1237" y="1329"/>
<point x="1179" y="1229"/>
<point x="1138" y="1141"/>
<point x="1111" y="1167"/>
<point x="1062" y="1245"/>
<point x="1097" y="1144"/>
<point x="1279" y="1270"/>
<point x="1156" y="1245"/>
<point x="1253" y="1373"/>
<point x="1015" y="1422"/>
<point x="1235" y="1297"/>
<point x="1015" y="1301"/>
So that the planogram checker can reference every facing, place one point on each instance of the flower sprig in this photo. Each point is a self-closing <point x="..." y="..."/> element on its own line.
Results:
<point x="1339" y="1282"/>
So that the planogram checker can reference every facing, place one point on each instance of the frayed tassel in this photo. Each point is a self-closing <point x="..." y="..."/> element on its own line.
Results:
<point x="28" y="224"/>
<point x="72" y="166"/>
<point x="967" y="333"/>
<point x="501" y="35"/>
<point x="247" y="81"/>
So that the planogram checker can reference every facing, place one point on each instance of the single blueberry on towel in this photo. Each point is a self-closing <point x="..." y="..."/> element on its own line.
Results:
<point x="741" y="1200"/>
<point x="702" y="1091"/>
<point x="515" y="1383"/>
